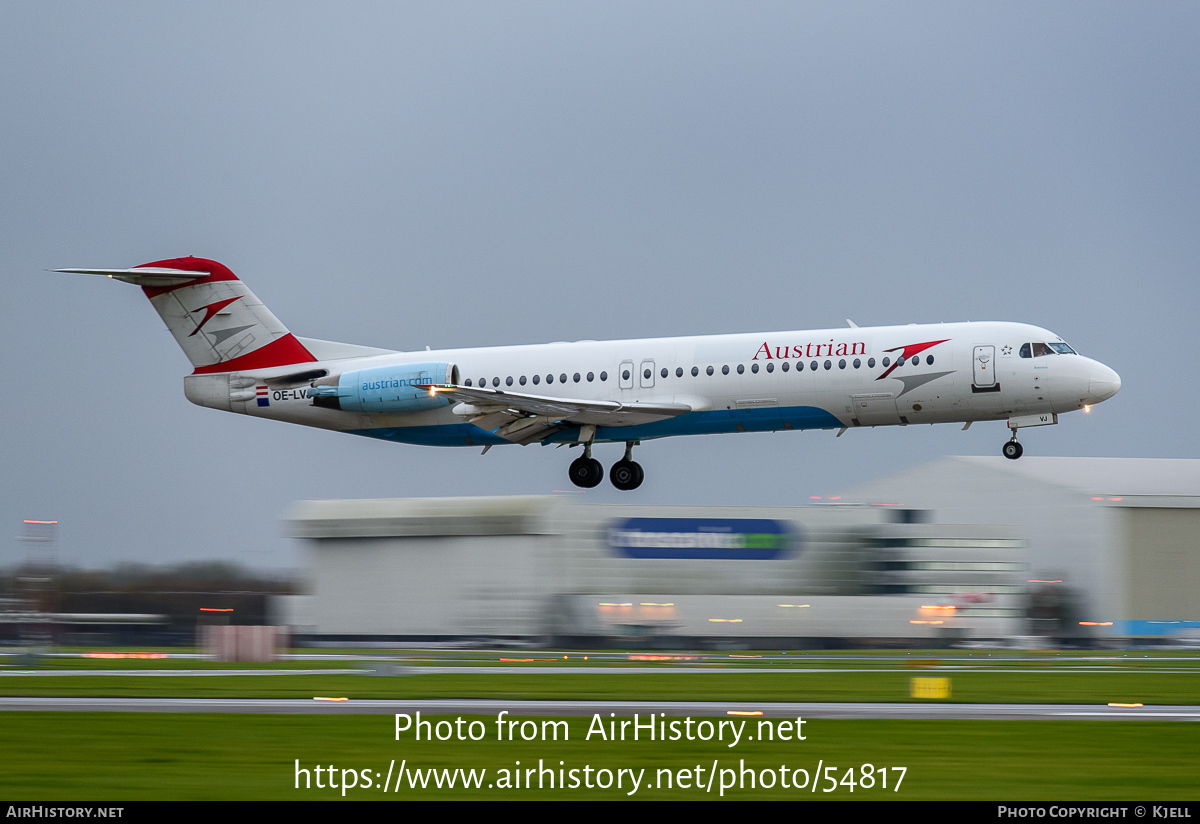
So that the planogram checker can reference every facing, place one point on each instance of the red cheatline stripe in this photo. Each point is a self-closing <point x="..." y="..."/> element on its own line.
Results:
<point x="282" y="352"/>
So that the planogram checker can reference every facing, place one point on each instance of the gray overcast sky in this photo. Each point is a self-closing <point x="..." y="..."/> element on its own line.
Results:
<point x="445" y="174"/>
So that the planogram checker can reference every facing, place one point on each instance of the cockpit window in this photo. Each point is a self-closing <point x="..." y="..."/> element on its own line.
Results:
<point x="1025" y="353"/>
<point x="1062" y="349"/>
<point x="1040" y="349"/>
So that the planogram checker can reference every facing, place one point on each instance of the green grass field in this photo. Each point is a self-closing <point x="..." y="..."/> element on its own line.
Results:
<point x="130" y="756"/>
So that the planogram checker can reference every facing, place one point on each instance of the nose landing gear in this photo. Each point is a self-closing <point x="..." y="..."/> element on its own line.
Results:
<point x="1013" y="449"/>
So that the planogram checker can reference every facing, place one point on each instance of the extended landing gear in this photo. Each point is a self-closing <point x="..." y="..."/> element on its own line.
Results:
<point x="1013" y="450"/>
<point x="627" y="474"/>
<point x="586" y="471"/>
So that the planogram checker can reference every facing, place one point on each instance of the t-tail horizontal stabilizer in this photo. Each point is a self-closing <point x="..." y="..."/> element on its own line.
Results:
<point x="144" y="275"/>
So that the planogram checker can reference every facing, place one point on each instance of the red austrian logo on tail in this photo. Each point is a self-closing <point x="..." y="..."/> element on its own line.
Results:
<point x="209" y="311"/>
<point x="910" y="351"/>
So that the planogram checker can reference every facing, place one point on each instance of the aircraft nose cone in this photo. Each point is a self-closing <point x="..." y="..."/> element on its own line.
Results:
<point x="1103" y="383"/>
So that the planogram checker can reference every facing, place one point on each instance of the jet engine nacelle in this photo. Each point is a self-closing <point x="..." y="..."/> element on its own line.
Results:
<point x="385" y="389"/>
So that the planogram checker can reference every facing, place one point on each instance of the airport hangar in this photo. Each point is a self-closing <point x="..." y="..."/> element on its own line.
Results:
<point x="960" y="549"/>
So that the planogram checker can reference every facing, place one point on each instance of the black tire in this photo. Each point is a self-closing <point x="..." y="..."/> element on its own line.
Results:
<point x="641" y="474"/>
<point x="1012" y="450"/>
<point x="626" y="475"/>
<point x="586" y="472"/>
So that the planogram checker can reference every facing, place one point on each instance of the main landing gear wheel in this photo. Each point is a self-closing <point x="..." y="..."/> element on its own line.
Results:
<point x="626" y="475"/>
<point x="1012" y="450"/>
<point x="586" y="472"/>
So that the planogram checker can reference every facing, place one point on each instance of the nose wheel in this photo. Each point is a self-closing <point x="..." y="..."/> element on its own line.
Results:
<point x="1013" y="450"/>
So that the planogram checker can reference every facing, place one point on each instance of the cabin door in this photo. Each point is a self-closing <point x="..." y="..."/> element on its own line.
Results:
<point x="983" y="366"/>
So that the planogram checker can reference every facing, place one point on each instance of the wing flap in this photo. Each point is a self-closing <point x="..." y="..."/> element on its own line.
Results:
<point x="524" y="418"/>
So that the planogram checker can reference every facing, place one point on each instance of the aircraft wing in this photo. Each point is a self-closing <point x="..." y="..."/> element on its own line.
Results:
<point x="523" y="419"/>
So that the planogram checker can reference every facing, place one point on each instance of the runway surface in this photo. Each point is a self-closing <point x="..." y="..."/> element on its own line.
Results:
<point x="391" y="668"/>
<point x="329" y="704"/>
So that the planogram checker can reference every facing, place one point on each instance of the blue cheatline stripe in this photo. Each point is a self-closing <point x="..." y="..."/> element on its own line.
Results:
<point x="693" y="423"/>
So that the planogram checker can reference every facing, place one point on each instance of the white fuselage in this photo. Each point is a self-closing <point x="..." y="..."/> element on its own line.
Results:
<point x="827" y="378"/>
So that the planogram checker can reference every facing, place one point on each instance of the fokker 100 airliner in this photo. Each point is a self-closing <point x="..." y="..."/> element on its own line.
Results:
<point x="624" y="391"/>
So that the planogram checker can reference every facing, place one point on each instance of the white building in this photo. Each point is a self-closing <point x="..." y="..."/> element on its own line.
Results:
<point x="961" y="548"/>
<point x="1122" y="534"/>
